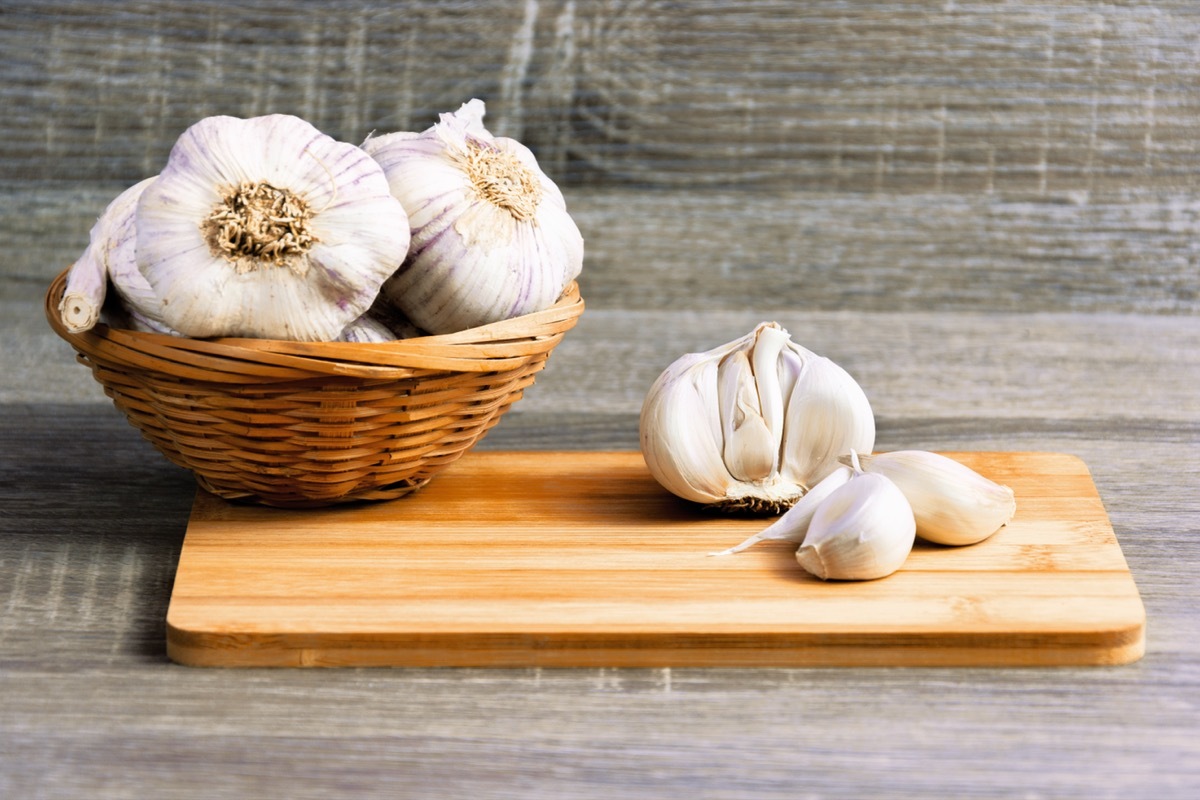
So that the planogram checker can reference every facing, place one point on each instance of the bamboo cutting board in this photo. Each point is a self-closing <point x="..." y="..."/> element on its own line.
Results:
<point x="581" y="559"/>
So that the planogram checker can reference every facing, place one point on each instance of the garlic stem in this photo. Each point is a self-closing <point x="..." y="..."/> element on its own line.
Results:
<point x="84" y="293"/>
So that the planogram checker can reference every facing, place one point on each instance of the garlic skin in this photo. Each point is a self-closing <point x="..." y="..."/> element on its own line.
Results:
<point x="864" y="530"/>
<point x="491" y="236"/>
<point x="953" y="504"/>
<point x="266" y="227"/>
<point x="752" y="424"/>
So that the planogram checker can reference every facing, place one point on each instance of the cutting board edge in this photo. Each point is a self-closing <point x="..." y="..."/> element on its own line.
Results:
<point x="1110" y="647"/>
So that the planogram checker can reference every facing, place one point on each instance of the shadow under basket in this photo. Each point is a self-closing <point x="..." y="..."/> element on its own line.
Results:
<point x="307" y="424"/>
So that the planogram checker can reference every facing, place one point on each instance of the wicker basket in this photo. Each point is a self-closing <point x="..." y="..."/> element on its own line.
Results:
<point x="301" y="424"/>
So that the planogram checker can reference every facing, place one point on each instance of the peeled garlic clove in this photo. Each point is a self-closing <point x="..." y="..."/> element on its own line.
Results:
<point x="863" y="531"/>
<point x="753" y="423"/>
<point x="492" y="238"/>
<point x="793" y="525"/>
<point x="266" y="227"/>
<point x="953" y="503"/>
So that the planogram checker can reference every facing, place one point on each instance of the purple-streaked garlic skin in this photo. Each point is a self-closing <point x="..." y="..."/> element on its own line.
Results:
<point x="342" y="234"/>
<point x="491" y="235"/>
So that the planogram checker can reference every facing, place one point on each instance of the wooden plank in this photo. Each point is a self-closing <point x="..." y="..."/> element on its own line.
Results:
<point x="891" y="97"/>
<point x="581" y="559"/>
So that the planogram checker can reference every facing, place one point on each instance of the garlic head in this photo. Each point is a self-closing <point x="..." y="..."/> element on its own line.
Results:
<point x="864" y="530"/>
<point x="752" y="424"/>
<point x="953" y="503"/>
<point x="266" y="227"/>
<point x="491" y="236"/>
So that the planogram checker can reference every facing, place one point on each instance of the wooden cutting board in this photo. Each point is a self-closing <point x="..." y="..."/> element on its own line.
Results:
<point x="581" y="559"/>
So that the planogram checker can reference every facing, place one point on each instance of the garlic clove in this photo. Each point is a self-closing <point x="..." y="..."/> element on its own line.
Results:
<point x="794" y="524"/>
<point x="266" y="227"/>
<point x="864" y="530"/>
<point x="828" y="415"/>
<point x="749" y="450"/>
<point x="680" y="432"/>
<point x="953" y="504"/>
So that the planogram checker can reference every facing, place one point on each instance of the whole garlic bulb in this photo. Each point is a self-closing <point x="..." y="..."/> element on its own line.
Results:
<point x="752" y="424"/>
<point x="863" y="531"/>
<point x="491" y="236"/>
<point x="266" y="227"/>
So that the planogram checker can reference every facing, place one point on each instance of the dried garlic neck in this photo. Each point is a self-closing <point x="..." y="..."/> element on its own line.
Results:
<point x="500" y="178"/>
<point x="258" y="225"/>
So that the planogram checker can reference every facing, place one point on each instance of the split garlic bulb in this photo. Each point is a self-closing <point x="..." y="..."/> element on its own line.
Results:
<point x="863" y="531"/>
<point x="953" y="503"/>
<point x="491" y="236"/>
<point x="752" y="424"/>
<point x="266" y="227"/>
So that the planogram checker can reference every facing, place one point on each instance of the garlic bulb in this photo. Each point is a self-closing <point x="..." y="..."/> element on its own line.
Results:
<point x="752" y="424"/>
<point x="266" y="227"/>
<point x="953" y="503"/>
<point x="141" y="306"/>
<point x="491" y="236"/>
<point x="110" y="258"/>
<point x="864" y="530"/>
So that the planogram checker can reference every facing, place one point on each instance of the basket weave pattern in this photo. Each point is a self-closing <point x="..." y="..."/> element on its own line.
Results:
<point x="300" y="424"/>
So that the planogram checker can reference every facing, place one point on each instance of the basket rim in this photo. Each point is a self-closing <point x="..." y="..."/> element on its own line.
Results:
<point x="498" y="346"/>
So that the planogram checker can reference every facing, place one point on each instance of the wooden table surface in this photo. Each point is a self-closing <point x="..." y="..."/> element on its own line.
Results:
<point x="987" y="214"/>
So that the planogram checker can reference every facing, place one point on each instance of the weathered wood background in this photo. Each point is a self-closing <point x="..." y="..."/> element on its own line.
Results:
<point x="987" y="212"/>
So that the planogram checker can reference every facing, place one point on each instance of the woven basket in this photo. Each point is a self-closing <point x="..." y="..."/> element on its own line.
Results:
<point x="303" y="424"/>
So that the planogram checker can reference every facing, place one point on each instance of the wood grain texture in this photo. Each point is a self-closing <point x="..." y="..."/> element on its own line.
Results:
<point x="986" y="211"/>
<point x="891" y="97"/>
<point x="524" y="558"/>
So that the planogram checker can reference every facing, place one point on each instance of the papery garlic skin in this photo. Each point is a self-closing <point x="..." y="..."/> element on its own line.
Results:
<point x="491" y="236"/>
<point x="268" y="228"/>
<point x="953" y="504"/>
<point x="752" y="424"/>
<point x="863" y="531"/>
